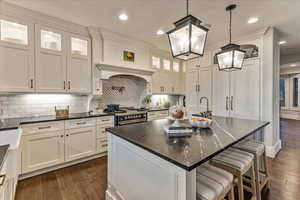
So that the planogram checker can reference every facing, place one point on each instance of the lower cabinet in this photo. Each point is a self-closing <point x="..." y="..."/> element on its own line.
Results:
<point x="42" y="150"/>
<point x="79" y="143"/>
<point x="45" y="145"/>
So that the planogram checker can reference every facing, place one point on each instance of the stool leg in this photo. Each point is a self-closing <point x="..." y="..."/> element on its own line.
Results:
<point x="257" y="178"/>
<point x="240" y="187"/>
<point x="253" y="184"/>
<point x="266" y="169"/>
<point x="231" y="193"/>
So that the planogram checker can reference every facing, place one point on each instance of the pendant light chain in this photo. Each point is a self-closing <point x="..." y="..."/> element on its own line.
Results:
<point x="230" y="18"/>
<point x="187" y="7"/>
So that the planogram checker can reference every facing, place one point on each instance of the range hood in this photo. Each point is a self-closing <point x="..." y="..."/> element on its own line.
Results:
<point x="108" y="55"/>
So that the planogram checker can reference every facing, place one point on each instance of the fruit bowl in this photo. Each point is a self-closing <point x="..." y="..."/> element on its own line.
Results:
<point x="200" y="122"/>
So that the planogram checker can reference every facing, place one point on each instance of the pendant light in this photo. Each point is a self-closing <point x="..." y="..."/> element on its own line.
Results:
<point x="231" y="56"/>
<point x="187" y="39"/>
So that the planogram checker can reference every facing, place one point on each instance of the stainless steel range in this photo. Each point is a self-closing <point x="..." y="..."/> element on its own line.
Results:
<point x="130" y="117"/>
<point x="127" y="115"/>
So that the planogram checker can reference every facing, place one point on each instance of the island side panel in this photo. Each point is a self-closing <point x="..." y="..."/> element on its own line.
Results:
<point x="138" y="174"/>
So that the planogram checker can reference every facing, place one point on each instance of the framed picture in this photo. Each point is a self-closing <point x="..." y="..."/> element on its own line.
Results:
<point x="128" y="56"/>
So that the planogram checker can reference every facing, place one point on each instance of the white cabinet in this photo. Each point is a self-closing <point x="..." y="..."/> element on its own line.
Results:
<point x="245" y="91"/>
<point x="237" y="94"/>
<point x="155" y="115"/>
<point x="102" y="124"/>
<point x="79" y="67"/>
<point x="221" y="92"/>
<point x="198" y="84"/>
<point x="51" y="63"/>
<point x="80" y="142"/>
<point x="168" y="76"/>
<point x="16" y="55"/>
<point x="42" y="150"/>
<point x="63" y="61"/>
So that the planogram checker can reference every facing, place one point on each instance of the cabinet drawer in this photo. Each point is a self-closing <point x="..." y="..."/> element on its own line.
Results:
<point x="42" y="127"/>
<point x="80" y="123"/>
<point x="109" y="120"/>
<point x="101" y="145"/>
<point x="101" y="132"/>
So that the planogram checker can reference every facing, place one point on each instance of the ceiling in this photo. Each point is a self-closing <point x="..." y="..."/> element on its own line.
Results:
<point x="147" y="16"/>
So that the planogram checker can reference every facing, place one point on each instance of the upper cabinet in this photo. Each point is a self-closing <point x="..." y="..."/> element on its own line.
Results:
<point x="63" y="61"/>
<point x="168" y="78"/>
<point x="16" y="55"/>
<point x="51" y="62"/>
<point x="79" y="66"/>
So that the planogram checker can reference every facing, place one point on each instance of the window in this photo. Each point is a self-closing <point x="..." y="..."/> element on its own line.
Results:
<point x="295" y="92"/>
<point x="79" y="46"/>
<point x="50" y="40"/>
<point x="166" y="65"/>
<point x="155" y="62"/>
<point x="14" y="32"/>
<point x="175" y="66"/>
<point x="282" y="93"/>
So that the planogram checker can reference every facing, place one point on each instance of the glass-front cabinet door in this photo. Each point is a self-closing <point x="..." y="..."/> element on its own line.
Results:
<point x="13" y="32"/>
<point x="51" y="60"/>
<point x="50" y="40"/>
<point x="79" y="46"/>
<point x="16" y="55"/>
<point x="79" y="64"/>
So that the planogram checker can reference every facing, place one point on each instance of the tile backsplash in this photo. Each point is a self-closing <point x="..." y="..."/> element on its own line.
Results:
<point x="132" y="94"/>
<point x="27" y="105"/>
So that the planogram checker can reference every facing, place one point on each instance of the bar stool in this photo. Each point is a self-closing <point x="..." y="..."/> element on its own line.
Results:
<point x="258" y="150"/>
<point x="238" y="163"/>
<point x="214" y="183"/>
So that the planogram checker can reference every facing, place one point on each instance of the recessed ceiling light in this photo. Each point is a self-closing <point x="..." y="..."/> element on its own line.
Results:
<point x="160" y="32"/>
<point x="293" y="65"/>
<point x="252" y="20"/>
<point x="123" y="17"/>
<point x="282" y="42"/>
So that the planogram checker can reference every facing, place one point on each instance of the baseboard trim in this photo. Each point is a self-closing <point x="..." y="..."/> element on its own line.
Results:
<point x="49" y="169"/>
<point x="271" y="151"/>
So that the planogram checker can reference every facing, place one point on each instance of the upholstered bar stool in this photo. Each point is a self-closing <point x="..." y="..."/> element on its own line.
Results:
<point x="238" y="163"/>
<point x="214" y="183"/>
<point x="260" y="162"/>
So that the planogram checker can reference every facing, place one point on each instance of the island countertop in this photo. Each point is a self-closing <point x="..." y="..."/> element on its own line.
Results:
<point x="188" y="152"/>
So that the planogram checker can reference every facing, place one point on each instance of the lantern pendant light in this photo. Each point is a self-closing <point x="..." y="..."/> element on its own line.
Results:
<point x="187" y="39"/>
<point x="231" y="56"/>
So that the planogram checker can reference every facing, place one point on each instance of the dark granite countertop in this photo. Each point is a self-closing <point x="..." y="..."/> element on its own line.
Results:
<point x="3" y="154"/>
<point x="13" y="123"/>
<point x="190" y="152"/>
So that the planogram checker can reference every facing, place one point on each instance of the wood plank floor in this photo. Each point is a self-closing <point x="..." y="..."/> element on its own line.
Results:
<point x="87" y="181"/>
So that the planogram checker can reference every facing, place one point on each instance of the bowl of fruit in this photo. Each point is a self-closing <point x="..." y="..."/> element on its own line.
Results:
<point x="200" y="122"/>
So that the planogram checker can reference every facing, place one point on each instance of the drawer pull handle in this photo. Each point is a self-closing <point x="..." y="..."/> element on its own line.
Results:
<point x="81" y="123"/>
<point x="44" y="127"/>
<point x="105" y="120"/>
<point x="104" y="145"/>
<point x="2" y="179"/>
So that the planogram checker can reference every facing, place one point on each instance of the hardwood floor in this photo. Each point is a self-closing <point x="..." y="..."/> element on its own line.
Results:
<point x="87" y="181"/>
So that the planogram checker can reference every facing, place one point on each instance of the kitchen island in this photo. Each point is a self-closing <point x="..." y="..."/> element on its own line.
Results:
<point x="144" y="163"/>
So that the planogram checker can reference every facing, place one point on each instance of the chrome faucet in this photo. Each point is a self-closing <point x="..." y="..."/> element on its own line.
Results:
<point x="208" y="113"/>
